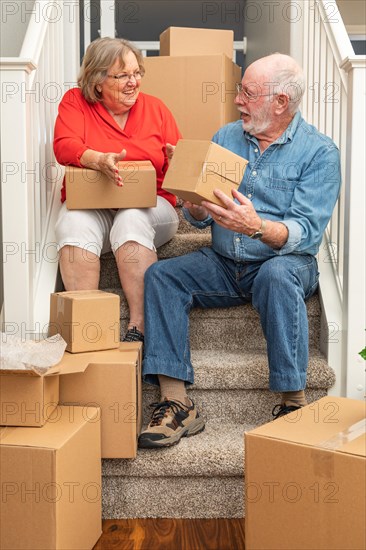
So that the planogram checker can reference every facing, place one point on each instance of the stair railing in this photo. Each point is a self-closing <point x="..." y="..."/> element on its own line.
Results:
<point x="32" y="86"/>
<point x="335" y="103"/>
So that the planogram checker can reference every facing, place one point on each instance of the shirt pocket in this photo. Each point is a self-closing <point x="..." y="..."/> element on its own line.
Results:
<point x="278" y="194"/>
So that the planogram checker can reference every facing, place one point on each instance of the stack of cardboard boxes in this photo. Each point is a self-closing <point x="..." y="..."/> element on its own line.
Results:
<point x="57" y="426"/>
<point x="195" y="77"/>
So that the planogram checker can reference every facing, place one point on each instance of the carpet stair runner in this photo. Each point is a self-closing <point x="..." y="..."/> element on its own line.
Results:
<point x="203" y="476"/>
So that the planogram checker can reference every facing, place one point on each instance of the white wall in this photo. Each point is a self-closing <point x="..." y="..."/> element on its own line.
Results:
<point x="15" y="16"/>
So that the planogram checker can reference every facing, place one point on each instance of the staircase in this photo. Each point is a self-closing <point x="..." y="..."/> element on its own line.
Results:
<point x="203" y="476"/>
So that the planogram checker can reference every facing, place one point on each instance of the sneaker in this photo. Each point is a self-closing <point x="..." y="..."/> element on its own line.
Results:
<point x="282" y="410"/>
<point x="133" y="335"/>
<point x="171" y="420"/>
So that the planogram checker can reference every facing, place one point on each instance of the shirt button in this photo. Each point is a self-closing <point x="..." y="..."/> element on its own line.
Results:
<point x="254" y="173"/>
<point x="250" y="196"/>
<point x="237" y="239"/>
<point x="256" y="150"/>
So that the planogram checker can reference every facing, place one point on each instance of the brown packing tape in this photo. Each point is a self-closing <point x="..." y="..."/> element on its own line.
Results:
<point x="60" y="307"/>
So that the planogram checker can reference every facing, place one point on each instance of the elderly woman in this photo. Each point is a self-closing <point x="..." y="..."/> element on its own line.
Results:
<point x="107" y="119"/>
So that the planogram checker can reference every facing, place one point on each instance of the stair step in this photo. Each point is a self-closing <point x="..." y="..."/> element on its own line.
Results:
<point x="217" y="451"/>
<point x="201" y="477"/>
<point x="236" y="406"/>
<point x="249" y="371"/>
<point x="172" y="497"/>
<point x="231" y="329"/>
<point x="232" y="387"/>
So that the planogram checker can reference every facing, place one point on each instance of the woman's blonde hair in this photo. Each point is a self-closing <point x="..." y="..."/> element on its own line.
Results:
<point x="100" y="55"/>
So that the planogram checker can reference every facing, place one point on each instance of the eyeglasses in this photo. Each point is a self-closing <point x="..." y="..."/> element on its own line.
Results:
<point x="247" y="95"/>
<point x="123" y="78"/>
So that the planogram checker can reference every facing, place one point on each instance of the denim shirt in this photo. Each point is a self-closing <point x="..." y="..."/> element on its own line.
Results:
<point x="296" y="181"/>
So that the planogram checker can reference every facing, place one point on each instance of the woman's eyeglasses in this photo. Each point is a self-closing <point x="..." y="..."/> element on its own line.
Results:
<point x="123" y="78"/>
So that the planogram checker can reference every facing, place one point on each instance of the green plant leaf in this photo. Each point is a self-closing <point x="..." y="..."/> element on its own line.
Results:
<point x="363" y="353"/>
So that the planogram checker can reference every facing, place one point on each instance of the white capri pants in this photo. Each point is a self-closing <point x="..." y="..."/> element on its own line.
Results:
<point x="99" y="231"/>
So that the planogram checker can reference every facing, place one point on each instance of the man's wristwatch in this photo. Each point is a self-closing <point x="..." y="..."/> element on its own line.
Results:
<point x="259" y="234"/>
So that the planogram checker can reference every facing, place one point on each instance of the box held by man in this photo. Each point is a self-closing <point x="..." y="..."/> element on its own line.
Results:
<point x="198" y="167"/>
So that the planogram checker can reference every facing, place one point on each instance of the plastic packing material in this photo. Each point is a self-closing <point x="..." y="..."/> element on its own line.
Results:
<point x="20" y="354"/>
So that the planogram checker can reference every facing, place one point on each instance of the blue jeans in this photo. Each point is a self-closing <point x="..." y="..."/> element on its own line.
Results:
<point x="277" y="288"/>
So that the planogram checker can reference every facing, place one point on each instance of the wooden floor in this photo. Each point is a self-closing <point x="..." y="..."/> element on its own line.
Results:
<point x="172" y="534"/>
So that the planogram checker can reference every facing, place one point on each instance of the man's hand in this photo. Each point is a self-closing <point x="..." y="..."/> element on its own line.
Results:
<point x="198" y="212"/>
<point x="104" y="162"/>
<point x="241" y="218"/>
<point x="169" y="150"/>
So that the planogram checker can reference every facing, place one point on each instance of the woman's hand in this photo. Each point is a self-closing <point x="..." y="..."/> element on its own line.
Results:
<point x="104" y="162"/>
<point x="199" y="213"/>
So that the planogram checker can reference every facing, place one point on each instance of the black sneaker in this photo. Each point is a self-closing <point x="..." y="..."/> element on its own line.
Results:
<point x="283" y="409"/>
<point x="133" y="335"/>
<point x="171" y="420"/>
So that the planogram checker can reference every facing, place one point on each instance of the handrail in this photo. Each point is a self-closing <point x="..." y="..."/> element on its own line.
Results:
<point x="334" y="102"/>
<point x="336" y="30"/>
<point x="36" y="32"/>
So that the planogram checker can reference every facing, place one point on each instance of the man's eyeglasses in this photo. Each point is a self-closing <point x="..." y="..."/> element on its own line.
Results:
<point x="249" y="96"/>
<point x="123" y="78"/>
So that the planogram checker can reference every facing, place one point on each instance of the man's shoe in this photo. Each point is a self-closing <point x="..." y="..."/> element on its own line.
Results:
<point x="171" y="420"/>
<point x="282" y="410"/>
<point x="133" y="335"/>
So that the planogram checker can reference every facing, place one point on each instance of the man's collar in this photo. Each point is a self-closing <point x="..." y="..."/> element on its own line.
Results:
<point x="288" y="134"/>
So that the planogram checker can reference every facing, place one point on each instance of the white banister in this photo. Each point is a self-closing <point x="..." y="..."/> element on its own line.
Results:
<point x="32" y="86"/>
<point x="335" y="102"/>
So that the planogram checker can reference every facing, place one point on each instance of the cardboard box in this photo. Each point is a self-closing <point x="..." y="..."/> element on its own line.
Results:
<point x="51" y="483"/>
<point x="199" y="167"/>
<point x="28" y="398"/>
<point x="87" y="188"/>
<point x="199" y="91"/>
<point x="88" y="320"/>
<point x="191" y="41"/>
<point x="110" y="380"/>
<point x="305" y="479"/>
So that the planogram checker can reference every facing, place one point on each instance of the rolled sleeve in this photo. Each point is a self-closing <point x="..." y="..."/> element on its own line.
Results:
<point x="293" y="240"/>
<point x="196" y="223"/>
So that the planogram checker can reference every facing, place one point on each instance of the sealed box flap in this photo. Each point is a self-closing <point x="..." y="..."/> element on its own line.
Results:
<point x="85" y="294"/>
<point x="225" y="163"/>
<point x="124" y="166"/>
<point x="135" y="165"/>
<point x="63" y="424"/>
<point x="356" y="446"/>
<point x="329" y="423"/>
<point x="72" y="363"/>
<point x="188" y="161"/>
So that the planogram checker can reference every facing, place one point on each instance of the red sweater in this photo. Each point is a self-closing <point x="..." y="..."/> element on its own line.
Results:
<point x="81" y="125"/>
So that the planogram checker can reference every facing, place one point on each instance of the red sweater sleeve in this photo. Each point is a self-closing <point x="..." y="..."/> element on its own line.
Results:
<point x="69" y="142"/>
<point x="170" y="132"/>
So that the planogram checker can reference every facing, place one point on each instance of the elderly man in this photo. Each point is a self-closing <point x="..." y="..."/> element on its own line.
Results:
<point x="263" y="249"/>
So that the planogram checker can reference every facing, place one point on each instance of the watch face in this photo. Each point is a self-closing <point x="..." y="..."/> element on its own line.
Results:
<point x="257" y="235"/>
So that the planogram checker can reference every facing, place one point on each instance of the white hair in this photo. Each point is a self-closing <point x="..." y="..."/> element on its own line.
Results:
<point x="288" y="78"/>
